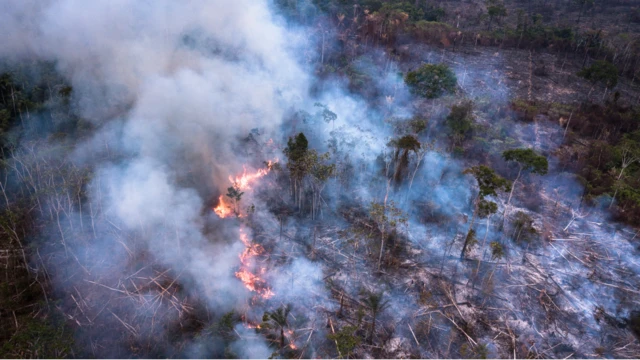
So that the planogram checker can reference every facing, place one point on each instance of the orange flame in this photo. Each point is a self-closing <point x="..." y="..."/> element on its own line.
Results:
<point x="252" y="281"/>
<point x="223" y="209"/>
<point x="242" y="182"/>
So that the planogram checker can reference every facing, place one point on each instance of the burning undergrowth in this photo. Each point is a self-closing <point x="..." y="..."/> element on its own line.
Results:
<point x="228" y="212"/>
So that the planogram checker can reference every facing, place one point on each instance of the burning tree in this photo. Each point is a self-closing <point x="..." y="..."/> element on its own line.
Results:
<point x="234" y="193"/>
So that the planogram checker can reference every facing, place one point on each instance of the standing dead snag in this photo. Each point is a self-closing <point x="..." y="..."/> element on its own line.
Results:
<point x="488" y="183"/>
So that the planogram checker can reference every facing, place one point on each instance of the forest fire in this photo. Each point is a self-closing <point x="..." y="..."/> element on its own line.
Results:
<point x="243" y="182"/>
<point x="252" y="281"/>
<point x="250" y="278"/>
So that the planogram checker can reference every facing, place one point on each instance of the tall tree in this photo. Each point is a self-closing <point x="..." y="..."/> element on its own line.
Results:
<point x="296" y="152"/>
<point x="495" y="10"/>
<point x="327" y="115"/>
<point x="628" y="152"/>
<point x="234" y="193"/>
<point x="460" y="122"/>
<point x="403" y="146"/>
<point x="489" y="183"/>
<point x="279" y="318"/>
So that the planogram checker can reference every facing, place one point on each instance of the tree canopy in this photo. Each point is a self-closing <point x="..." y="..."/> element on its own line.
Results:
<point x="602" y="72"/>
<point x="528" y="160"/>
<point x="431" y="80"/>
<point x="488" y="181"/>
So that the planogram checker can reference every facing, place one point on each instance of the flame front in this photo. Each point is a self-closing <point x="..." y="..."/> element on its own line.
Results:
<point x="243" y="182"/>
<point x="247" y="274"/>
<point x="223" y="209"/>
<point x="251" y="280"/>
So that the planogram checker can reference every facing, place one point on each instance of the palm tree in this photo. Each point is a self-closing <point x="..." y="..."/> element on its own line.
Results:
<point x="376" y="305"/>
<point x="279" y="318"/>
<point x="403" y="146"/>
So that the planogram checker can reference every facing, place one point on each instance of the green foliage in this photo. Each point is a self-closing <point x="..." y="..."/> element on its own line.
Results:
<point x="470" y="240"/>
<point x="488" y="181"/>
<point x="296" y="148"/>
<point x="389" y="214"/>
<point x="528" y="159"/>
<point x="495" y="9"/>
<point x="474" y="352"/>
<point x="38" y="338"/>
<point x="403" y="146"/>
<point x="376" y="304"/>
<point x="431" y="80"/>
<point x="418" y="124"/>
<point x="523" y="227"/>
<point x="486" y="208"/>
<point x="346" y="339"/>
<point x="326" y="114"/>
<point x="460" y="121"/>
<point x="234" y="192"/>
<point x="602" y="72"/>
<point x="406" y="143"/>
<point x="497" y="250"/>
<point x="278" y="319"/>
<point x="224" y="327"/>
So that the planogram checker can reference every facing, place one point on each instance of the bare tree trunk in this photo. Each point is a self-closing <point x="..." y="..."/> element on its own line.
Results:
<point x="513" y="186"/>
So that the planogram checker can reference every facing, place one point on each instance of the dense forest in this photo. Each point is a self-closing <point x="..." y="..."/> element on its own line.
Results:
<point x="320" y="178"/>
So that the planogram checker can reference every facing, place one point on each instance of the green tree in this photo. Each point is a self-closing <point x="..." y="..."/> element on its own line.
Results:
<point x="488" y="184"/>
<point x="279" y="319"/>
<point x="327" y="115"/>
<point x="431" y="80"/>
<point x="346" y="340"/>
<point x="628" y="153"/>
<point x="523" y="227"/>
<point x="527" y="160"/>
<point x="234" y="193"/>
<point x="602" y="72"/>
<point x="296" y="152"/>
<point x="497" y="250"/>
<point x="319" y="172"/>
<point x="460" y="121"/>
<point x="403" y="146"/>
<point x="495" y="10"/>
<point x="376" y="304"/>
